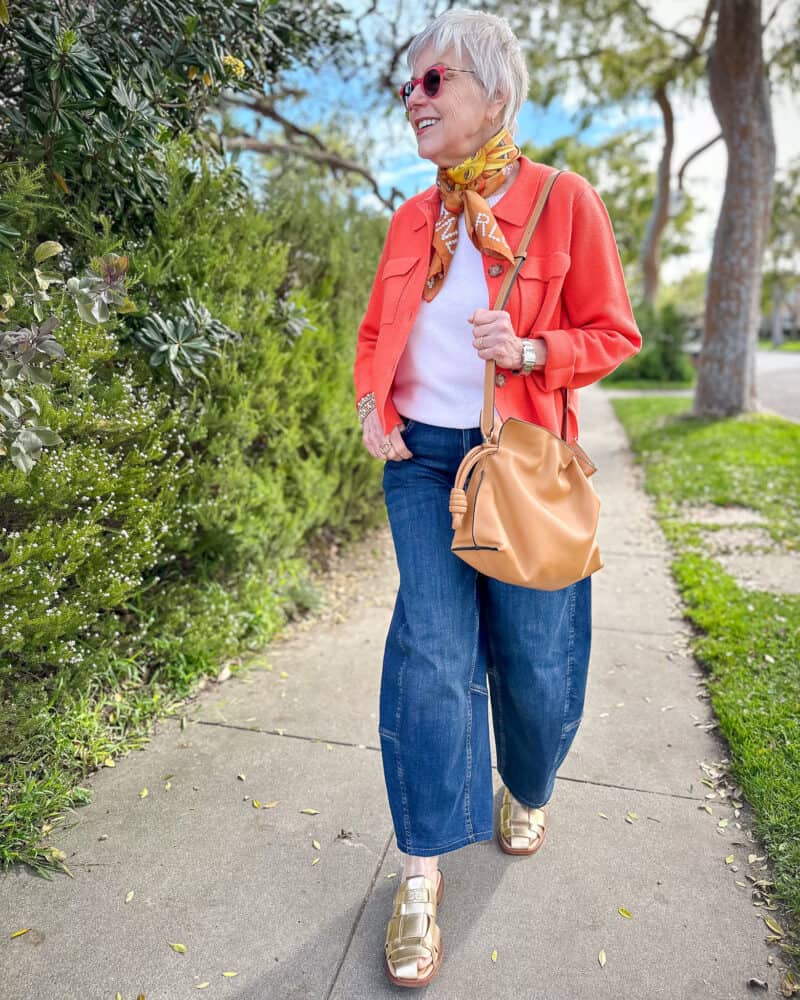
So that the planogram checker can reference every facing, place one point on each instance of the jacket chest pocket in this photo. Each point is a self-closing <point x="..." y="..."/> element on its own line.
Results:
<point x="537" y="291"/>
<point x="395" y="277"/>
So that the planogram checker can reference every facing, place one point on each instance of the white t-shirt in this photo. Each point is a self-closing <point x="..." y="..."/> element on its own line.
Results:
<point x="439" y="378"/>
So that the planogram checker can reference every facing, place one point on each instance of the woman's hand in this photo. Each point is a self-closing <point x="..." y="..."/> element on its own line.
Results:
<point x="391" y="448"/>
<point x="493" y="337"/>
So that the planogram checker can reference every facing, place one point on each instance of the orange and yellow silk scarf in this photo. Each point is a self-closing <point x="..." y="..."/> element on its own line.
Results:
<point x="464" y="189"/>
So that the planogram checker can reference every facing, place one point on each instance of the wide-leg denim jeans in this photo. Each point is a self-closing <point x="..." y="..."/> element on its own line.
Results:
<point x="452" y="629"/>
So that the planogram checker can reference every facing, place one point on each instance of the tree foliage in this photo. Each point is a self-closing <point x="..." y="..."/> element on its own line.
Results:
<point x="618" y="167"/>
<point x="95" y="90"/>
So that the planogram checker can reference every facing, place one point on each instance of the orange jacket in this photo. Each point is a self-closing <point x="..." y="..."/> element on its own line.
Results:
<point x="569" y="292"/>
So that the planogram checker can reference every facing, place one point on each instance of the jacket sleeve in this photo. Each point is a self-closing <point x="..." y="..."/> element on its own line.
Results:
<point x="368" y="330"/>
<point x="602" y="331"/>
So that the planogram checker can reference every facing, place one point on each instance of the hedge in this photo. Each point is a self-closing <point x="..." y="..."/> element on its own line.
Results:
<point x="171" y="528"/>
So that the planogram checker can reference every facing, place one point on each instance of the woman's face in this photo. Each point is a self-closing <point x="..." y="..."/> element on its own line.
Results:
<point x="459" y="120"/>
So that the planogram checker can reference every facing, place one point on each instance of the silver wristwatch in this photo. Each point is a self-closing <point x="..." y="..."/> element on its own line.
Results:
<point x="529" y="359"/>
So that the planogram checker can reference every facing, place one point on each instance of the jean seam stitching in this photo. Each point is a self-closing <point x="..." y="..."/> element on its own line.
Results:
<point x="401" y="779"/>
<point x="569" y="680"/>
<point x="500" y="743"/>
<point x="468" y="741"/>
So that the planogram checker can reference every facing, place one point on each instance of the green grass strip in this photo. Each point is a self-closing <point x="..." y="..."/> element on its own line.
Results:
<point x="749" y="641"/>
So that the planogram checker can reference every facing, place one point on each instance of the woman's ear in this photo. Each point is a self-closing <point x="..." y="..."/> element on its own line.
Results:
<point x="495" y="112"/>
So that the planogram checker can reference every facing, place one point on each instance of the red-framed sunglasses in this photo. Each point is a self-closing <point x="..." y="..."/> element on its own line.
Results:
<point x="431" y="80"/>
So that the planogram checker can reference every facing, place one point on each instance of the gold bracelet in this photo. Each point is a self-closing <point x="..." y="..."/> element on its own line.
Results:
<point x="365" y="406"/>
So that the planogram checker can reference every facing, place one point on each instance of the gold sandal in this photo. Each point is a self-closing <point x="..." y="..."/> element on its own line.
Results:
<point x="413" y="933"/>
<point x="522" y="828"/>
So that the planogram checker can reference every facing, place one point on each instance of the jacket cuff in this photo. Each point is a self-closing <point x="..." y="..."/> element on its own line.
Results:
<point x="559" y="368"/>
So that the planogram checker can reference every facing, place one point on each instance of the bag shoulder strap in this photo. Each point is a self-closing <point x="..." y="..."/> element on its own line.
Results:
<point x="487" y="414"/>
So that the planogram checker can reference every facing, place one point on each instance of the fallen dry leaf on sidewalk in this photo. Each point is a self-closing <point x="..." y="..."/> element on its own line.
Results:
<point x="789" y="985"/>
<point x="625" y="913"/>
<point x="601" y="958"/>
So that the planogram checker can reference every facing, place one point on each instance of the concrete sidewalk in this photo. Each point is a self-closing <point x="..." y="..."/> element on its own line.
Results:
<point x="238" y="887"/>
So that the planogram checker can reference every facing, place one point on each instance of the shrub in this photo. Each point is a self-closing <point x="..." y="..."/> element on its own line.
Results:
<point x="662" y="357"/>
<point x="168" y="532"/>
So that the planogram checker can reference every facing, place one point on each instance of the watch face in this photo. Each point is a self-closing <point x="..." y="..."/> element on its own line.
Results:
<point x="528" y="355"/>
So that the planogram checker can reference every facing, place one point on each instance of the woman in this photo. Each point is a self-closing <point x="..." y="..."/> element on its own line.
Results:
<point x="419" y="370"/>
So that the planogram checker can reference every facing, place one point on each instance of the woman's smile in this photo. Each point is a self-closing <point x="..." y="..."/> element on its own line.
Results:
<point x="424" y="123"/>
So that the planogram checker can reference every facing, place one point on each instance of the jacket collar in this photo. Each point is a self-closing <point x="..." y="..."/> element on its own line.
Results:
<point x="428" y="204"/>
<point x="514" y="207"/>
<point x="516" y="204"/>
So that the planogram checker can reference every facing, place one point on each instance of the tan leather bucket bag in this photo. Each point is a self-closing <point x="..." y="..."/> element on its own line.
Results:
<point x="523" y="510"/>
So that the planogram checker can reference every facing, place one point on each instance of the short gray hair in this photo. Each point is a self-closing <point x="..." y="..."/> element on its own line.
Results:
<point x="492" y="48"/>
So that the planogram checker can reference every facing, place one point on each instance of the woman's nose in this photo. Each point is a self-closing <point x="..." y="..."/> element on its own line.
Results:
<point x="416" y="98"/>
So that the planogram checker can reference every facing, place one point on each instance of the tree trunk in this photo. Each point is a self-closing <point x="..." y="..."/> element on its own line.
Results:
<point x="739" y="91"/>
<point x="650" y="258"/>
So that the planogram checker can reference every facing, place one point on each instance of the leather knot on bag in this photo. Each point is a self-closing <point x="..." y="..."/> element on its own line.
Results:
<point x="458" y="504"/>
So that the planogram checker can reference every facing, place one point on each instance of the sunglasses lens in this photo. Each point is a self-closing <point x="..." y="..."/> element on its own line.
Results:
<point x="431" y="82"/>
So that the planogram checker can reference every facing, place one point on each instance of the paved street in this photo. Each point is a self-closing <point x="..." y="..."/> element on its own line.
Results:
<point x="778" y="378"/>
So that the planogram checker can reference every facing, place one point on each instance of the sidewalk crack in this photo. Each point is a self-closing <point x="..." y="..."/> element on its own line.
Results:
<point x="359" y="915"/>
<point x="376" y="749"/>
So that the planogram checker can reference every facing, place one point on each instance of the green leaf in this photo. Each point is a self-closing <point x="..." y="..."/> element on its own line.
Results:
<point x="47" y="249"/>
<point x="48" y="437"/>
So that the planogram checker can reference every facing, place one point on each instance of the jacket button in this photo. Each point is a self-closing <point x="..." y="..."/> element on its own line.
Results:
<point x="495" y="270"/>
<point x="500" y="379"/>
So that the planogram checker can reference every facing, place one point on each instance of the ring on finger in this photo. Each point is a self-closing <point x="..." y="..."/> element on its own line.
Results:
<point x="386" y="447"/>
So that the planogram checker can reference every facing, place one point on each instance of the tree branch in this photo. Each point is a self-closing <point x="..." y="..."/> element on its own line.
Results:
<point x="772" y="16"/>
<point x="660" y="28"/>
<point x="263" y="106"/>
<point x="693" y="156"/>
<point x="326" y="156"/>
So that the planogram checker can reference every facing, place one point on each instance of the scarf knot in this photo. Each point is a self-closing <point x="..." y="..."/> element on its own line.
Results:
<point x="464" y="188"/>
